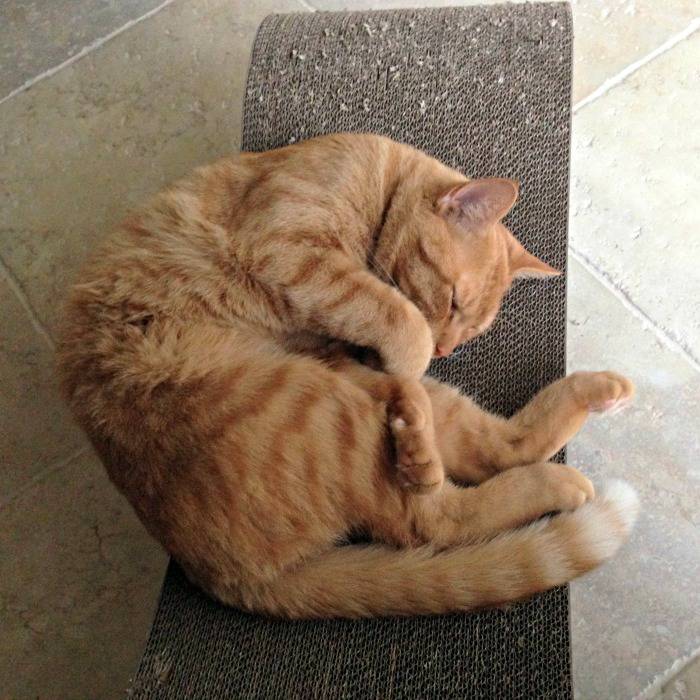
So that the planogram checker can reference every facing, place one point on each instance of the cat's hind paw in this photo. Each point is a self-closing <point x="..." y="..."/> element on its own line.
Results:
<point x="604" y="392"/>
<point x="420" y="467"/>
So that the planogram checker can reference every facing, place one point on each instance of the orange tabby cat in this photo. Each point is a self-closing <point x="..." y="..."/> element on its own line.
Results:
<point x="196" y="356"/>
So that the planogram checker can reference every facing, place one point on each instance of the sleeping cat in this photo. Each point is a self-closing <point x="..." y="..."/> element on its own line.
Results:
<point x="204" y="354"/>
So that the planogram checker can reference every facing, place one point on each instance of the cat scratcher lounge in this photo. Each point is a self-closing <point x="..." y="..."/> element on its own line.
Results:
<point x="486" y="89"/>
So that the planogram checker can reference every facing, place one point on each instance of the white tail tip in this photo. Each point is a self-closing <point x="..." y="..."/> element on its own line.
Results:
<point x="605" y="522"/>
<point x="620" y="496"/>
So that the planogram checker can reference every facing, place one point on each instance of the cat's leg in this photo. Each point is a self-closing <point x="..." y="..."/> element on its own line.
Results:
<point x="329" y="293"/>
<point x="475" y="445"/>
<point x="505" y="502"/>
<point x="410" y="418"/>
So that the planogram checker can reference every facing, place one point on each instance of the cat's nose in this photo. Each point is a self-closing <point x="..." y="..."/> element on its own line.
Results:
<point x="440" y="351"/>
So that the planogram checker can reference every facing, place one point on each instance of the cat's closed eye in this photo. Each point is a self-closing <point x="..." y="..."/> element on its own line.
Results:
<point x="454" y="305"/>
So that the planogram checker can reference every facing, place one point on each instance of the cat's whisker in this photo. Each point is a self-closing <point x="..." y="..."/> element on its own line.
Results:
<point x="379" y="268"/>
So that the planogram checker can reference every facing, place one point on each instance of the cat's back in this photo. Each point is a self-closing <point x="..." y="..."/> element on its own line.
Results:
<point x="200" y="215"/>
<point x="176" y="253"/>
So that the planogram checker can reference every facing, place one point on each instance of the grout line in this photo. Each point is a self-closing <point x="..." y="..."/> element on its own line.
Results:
<point x="307" y="5"/>
<point x="664" y="335"/>
<point x="610" y="83"/>
<point x="662" y="681"/>
<point x="84" y="51"/>
<point x="24" y="302"/>
<point x="47" y="471"/>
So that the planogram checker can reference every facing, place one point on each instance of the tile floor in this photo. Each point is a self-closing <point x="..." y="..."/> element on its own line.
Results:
<point x="87" y="132"/>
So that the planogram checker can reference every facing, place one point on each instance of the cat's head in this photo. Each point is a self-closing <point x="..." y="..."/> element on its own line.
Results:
<point x="462" y="259"/>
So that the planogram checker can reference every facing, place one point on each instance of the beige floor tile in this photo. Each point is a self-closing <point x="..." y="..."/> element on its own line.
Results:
<point x="36" y="429"/>
<point x="683" y="685"/>
<point x="612" y="34"/>
<point x="635" y="189"/>
<point x="79" y="583"/>
<point x="83" y="146"/>
<point x="609" y="34"/>
<point x="635" y="616"/>
<point x="36" y="36"/>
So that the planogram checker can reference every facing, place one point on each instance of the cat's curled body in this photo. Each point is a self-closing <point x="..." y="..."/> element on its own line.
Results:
<point x="193" y="356"/>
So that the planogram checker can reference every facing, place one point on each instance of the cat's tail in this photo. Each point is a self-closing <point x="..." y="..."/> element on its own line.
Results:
<point x="372" y="580"/>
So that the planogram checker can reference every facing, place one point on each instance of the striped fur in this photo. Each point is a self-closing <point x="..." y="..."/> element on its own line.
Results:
<point x="208" y="353"/>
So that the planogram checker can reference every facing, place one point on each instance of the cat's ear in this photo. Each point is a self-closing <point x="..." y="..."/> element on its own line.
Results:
<point x="478" y="203"/>
<point x="527" y="265"/>
<point x="522" y="263"/>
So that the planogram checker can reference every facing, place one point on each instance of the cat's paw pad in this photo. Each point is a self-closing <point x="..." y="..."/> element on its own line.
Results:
<point x="604" y="392"/>
<point x="419" y="465"/>
<point x="612" y="406"/>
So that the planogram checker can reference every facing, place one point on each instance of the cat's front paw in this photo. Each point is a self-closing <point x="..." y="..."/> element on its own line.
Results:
<point x="409" y="353"/>
<point x="602" y="392"/>
<point x="418" y="460"/>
